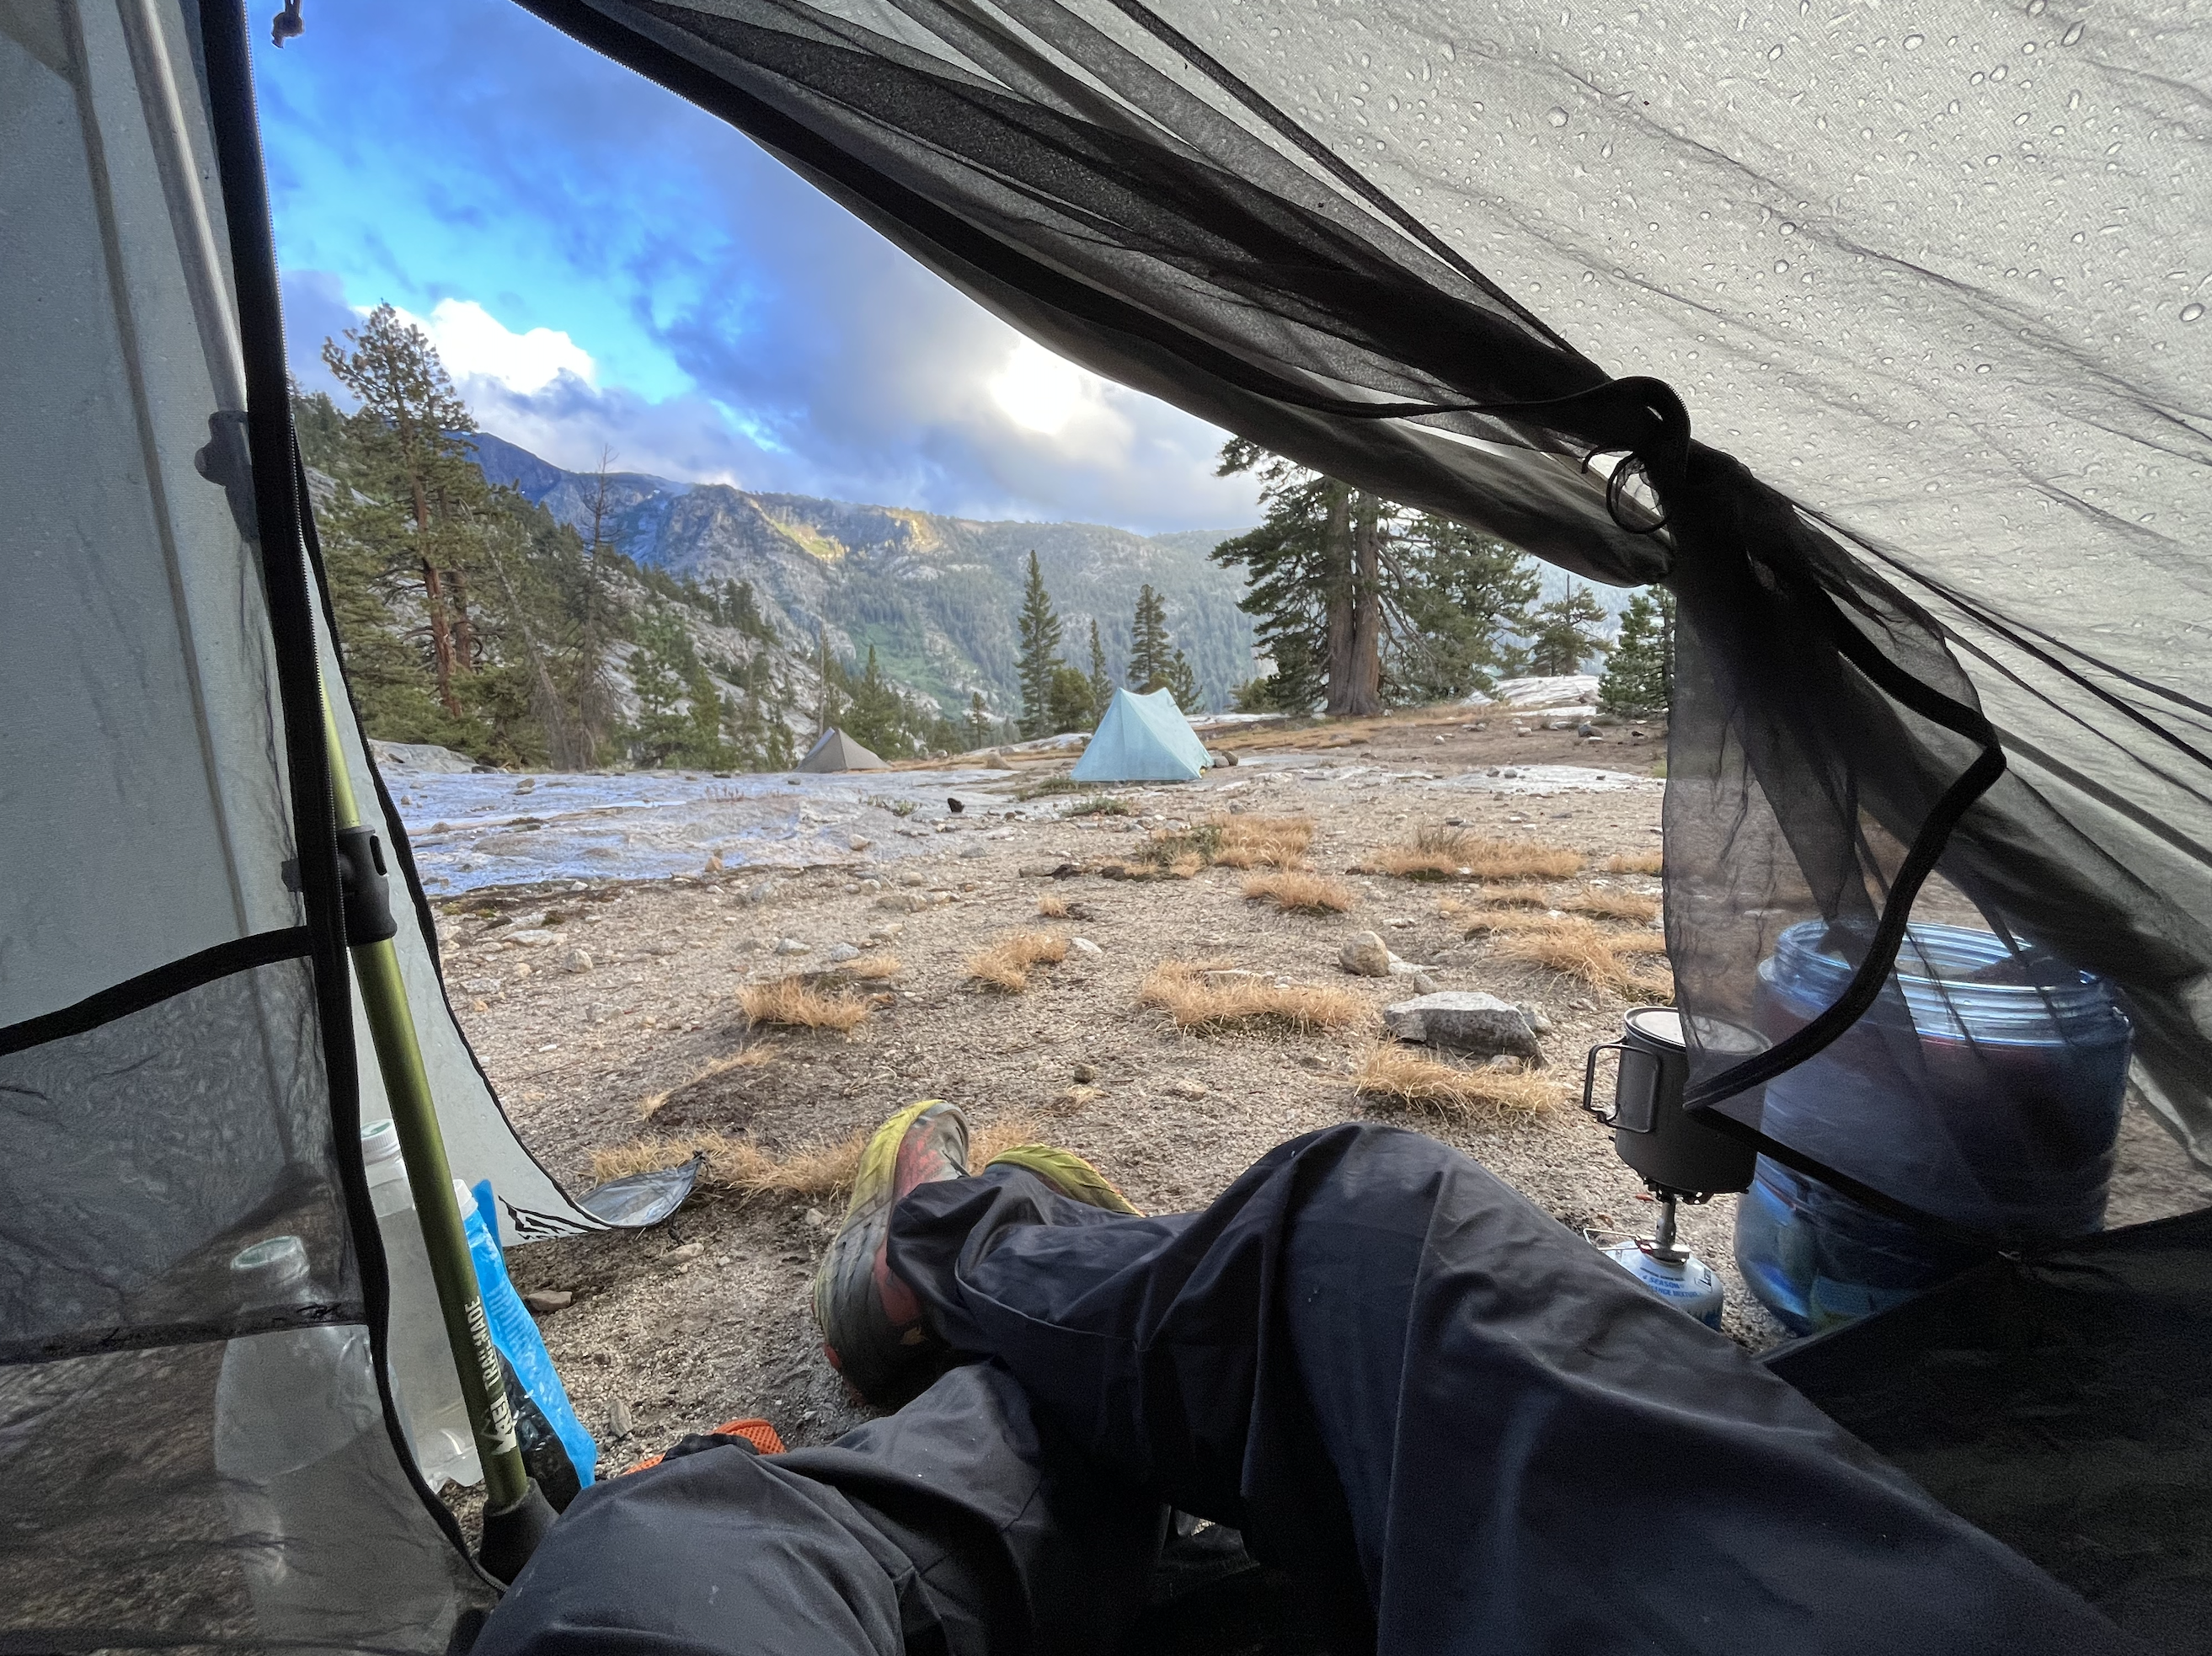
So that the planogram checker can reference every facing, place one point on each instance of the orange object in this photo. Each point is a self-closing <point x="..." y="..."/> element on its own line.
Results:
<point x="752" y="1428"/>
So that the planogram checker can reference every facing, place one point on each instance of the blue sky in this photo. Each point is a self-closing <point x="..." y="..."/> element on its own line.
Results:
<point x="604" y="267"/>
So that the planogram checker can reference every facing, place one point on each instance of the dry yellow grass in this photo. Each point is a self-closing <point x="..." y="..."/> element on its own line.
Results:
<point x="1451" y="853"/>
<point x="1262" y="842"/>
<point x="809" y="1173"/>
<point x="1232" y="841"/>
<point x="1396" y="1075"/>
<point x="1578" y="949"/>
<point x="1051" y="907"/>
<point x="1629" y="906"/>
<point x="1005" y="966"/>
<point x="873" y="968"/>
<point x="798" y="1002"/>
<point x="1481" y="923"/>
<point x="1633" y="861"/>
<point x="747" y="1058"/>
<point x="1181" y="990"/>
<point x="1301" y="893"/>
<point x="986" y="1139"/>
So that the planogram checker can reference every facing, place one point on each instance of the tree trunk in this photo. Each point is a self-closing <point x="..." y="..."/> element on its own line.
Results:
<point x="1354" y="586"/>
<point x="465" y="637"/>
<point x="1363" y="694"/>
<point x="1337" y="595"/>
<point x="441" y="638"/>
<point x="433" y="601"/>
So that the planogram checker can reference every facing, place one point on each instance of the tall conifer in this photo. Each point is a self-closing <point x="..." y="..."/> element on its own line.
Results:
<point x="1040" y="642"/>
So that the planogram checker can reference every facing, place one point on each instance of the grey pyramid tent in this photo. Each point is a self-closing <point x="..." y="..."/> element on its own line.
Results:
<point x="834" y="750"/>
<point x="1905" y="346"/>
<point x="1142" y="738"/>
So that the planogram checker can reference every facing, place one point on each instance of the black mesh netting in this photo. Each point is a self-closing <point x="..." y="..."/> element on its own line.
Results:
<point x="1168" y="198"/>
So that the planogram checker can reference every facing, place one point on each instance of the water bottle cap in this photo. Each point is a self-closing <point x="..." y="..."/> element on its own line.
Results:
<point x="280" y="1258"/>
<point x="463" y="1198"/>
<point x="379" y="1143"/>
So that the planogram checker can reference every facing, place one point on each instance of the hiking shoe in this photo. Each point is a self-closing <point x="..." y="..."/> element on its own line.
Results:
<point x="871" y="1326"/>
<point x="1068" y="1174"/>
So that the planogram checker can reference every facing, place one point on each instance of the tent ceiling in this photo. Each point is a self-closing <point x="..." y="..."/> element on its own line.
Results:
<point x="1927" y="289"/>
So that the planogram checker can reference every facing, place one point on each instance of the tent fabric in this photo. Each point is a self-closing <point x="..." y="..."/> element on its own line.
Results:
<point x="1938" y="278"/>
<point x="1142" y="738"/>
<point x="195" y="1454"/>
<point x="834" y="750"/>
<point x="2060" y="1403"/>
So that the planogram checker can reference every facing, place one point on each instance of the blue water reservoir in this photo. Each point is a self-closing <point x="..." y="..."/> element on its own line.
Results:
<point x="1984" y="1087"/>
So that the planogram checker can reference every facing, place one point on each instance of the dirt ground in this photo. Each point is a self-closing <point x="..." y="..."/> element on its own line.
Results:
<point x="706" y="1316"/>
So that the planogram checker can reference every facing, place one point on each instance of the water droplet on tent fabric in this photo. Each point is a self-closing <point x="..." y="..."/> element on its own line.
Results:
<point x="2070" y="36"/>
<point x="1914" y="42"/>
<point x="1772" y="52"/>
<point x="2037" y="8"/>
<point x="1557" y="116"/>
<point x="2191" y="312"/>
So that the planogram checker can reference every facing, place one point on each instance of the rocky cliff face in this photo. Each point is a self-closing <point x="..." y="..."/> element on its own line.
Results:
<point x="936" y="597"/>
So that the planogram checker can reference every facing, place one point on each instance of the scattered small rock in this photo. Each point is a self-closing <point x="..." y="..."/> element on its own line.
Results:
<point x="523" y="970"/>
<point x="860" y="842"/>
<point x="1537" y="1021"/>
<point x="995" y="761"/>
<point x="480" y="986"/>
<point x="816" y="1218"/>
<point x="683" y="1255"/>
<point x="790" y="946"/>
<point x="1187" y="1088"/>
<point x="1075" y="1097"/>
<point x="1084" y="1072"/>
<point x="1467" y="1020"/>
<point x="763" y="891"/>
<point x="841" y="952"/>
<point x="544" y="1299"/>
<point x="577" y="960"/>
<point x="622" y="1419"/>
<point x="971" y="852"/>
<point x="1084" y="946"/>
<point x="1365" y="955"/>
<point x="1402" y="926"/>
<point x="905" y="902"/>
<point x="1040" y="870"/>
<point x="536" y="937"/>
<point x="911" y="877"/>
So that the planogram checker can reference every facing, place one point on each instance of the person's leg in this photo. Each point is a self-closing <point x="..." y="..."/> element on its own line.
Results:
<point x="1403" y="1383"/>
<point x="962" y="1524"/>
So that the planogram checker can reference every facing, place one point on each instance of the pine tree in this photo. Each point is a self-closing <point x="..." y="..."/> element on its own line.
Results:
<point x="1567" y="632"/>
<point x="414" y="437"/>
<point x="979" y="725"/>
<point x="1102" y="685"/>
<point x="1316" y="571"/>
<point x="1069" y="705"/>
<point x="1148" y="643"/>
<point x="1640" y="674"/>
<point x="1040" y="653"/>
<point x="1459" y="598"/>
<point x="1181" y="683"/>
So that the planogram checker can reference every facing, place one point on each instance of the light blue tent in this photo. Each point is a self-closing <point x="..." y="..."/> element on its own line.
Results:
<point x="1143" y="738"/>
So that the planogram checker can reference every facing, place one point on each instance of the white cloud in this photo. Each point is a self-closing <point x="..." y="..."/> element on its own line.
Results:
<point x="475" y="344"/>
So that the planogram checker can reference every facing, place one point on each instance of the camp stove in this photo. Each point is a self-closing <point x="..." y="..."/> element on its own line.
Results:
<point x="1681" y="1160"/>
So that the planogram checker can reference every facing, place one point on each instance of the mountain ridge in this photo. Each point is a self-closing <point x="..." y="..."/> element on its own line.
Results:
<point x="935" y="595"/>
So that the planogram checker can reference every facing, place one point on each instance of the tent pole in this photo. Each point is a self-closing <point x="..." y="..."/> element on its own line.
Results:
<point x="515" y="1511"/>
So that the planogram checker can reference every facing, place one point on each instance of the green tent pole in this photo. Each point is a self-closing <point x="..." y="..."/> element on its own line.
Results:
<point x="515" y="1511"/>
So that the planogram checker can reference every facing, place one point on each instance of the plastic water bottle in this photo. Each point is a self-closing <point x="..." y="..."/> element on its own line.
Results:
<point x="299" y="1435"/>
<point x="1984" y="1087"/>
<point x="421" y="1358"/>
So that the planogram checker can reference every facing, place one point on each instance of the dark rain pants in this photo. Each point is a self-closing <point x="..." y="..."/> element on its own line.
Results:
<point x="1451" y="1422"/>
